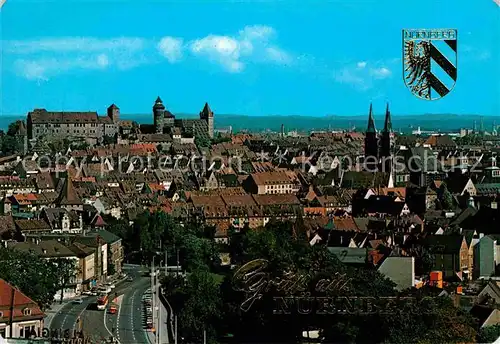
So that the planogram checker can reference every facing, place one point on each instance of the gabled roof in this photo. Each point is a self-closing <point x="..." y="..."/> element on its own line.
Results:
<point x="10" y="295"/>
<point x="444" y="244"/>
<point x="68" y="195"/>
<point x="98" y="221"/>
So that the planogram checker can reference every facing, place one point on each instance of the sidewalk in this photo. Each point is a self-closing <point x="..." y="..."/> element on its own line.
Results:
<point x="55" y="308"/>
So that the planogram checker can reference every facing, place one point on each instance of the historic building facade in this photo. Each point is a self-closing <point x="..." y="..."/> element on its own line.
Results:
<point x="164" y="121"/>
<point x="85" y="125"/>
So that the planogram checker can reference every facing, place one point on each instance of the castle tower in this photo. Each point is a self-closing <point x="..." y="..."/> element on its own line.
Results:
<point x="158" y="115"/>
<point x="207" y="115"/>
<point x="371" y="143"/>
<point x="114" y="113"/>
<point x="387" y="141"/>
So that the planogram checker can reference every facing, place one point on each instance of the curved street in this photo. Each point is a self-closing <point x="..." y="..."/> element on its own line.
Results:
<point x="129" y="328"/>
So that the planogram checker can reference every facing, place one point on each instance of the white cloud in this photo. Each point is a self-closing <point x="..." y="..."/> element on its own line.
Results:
<point x="74" y="44"/>
<point x="44" y="68"/>
<point x="362" y="75"/>
<point x="171" y="48"/>
<point x="47" y="57"/>
<point x="251" y="44"/>
<point x="380" y="73"/>
<point x="102" y="60"/>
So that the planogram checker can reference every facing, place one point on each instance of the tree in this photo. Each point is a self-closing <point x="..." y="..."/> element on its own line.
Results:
<point x="10" y="144"/>
<point x="200" y="307"/>
<point x="445" y="197"/>
<point x="31" y="274"/>
<point x="202" y="142"/>
<point x="488" y="334"/>
<point x="64" y="273"/>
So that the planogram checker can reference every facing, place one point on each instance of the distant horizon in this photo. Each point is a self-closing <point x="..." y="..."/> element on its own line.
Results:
<point x="249" y="58"/>
<point x="180" y="114"/>
<point x="304" y="123"/>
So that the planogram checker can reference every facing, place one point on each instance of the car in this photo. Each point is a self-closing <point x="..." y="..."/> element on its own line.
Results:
<point x="130" y="279"/>
<point x="78" y="301"/>
<point x="87" y="292"/>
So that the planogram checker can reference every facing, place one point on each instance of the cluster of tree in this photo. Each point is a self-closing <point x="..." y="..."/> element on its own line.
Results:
<point x="152" y="234"/>
<point x="10" y="142"/>
<point x="471" y="139"/>
<point x="445" y="198"/>
<point x="488" y="334"/>
<point x="206" y="142"/>
<point x="38" y="278"/>
<point x="206" y="305"/>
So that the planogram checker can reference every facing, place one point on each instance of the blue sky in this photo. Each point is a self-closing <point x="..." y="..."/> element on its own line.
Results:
<point x="243" y="57"/>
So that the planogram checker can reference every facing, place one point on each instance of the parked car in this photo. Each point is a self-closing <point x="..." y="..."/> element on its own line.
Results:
<point x="87" y="292"/>
<point x="78" y="301"/>
<point x="130" y="279"/>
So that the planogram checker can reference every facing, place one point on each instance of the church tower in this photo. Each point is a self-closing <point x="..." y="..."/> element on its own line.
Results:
<point x="158" y="115"/>
<point x="387" y="141"/>
<point x="114" y="113"/>
<point x="208" y="115"/>
<point x="371" y="143"/>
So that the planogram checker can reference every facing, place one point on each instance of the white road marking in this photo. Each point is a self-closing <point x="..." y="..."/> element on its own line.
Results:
<point x="106" y="325"/>
<point x="132" y="315"/>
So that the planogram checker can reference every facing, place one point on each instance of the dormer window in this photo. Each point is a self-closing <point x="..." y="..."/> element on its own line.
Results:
<point x="1" y="314"/>
<point x="27" y="311"/>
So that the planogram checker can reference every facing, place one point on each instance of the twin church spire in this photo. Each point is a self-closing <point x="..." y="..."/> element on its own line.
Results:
<point x="371" y="121"/>
<point x="379" y="146"/>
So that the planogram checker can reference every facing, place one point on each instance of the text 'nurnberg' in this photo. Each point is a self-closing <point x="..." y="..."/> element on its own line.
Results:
<point x="430" y="34"/>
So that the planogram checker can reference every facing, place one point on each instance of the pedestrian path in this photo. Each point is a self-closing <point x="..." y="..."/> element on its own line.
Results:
<point x="54" y="309"/>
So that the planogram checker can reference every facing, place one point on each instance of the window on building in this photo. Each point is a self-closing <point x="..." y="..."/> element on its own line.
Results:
<point x="3" y="332"/>
<point x="27" y="311"/>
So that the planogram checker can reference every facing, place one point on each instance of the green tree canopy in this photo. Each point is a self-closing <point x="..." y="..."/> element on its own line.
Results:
<point x="38" y="278"/>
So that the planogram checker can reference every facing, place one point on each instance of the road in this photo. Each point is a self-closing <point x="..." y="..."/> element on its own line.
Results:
<point x="68" y="315"/>
<point x="129" y="320"/>
<point x="92" y="320"/>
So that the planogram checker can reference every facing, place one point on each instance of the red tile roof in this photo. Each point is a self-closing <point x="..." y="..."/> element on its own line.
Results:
<point x="20" y="302"/>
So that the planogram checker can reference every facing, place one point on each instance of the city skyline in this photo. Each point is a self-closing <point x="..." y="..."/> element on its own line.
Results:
<point x="241" y="58"/>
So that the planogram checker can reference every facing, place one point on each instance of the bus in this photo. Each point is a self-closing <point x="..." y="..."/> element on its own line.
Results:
<point x="102" y="302"/>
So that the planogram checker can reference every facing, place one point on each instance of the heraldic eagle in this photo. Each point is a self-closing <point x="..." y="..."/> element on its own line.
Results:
<point x="417" y="67"/>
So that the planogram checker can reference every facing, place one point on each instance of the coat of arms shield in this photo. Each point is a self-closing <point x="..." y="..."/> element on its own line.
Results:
<point x="430" y="62"/>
